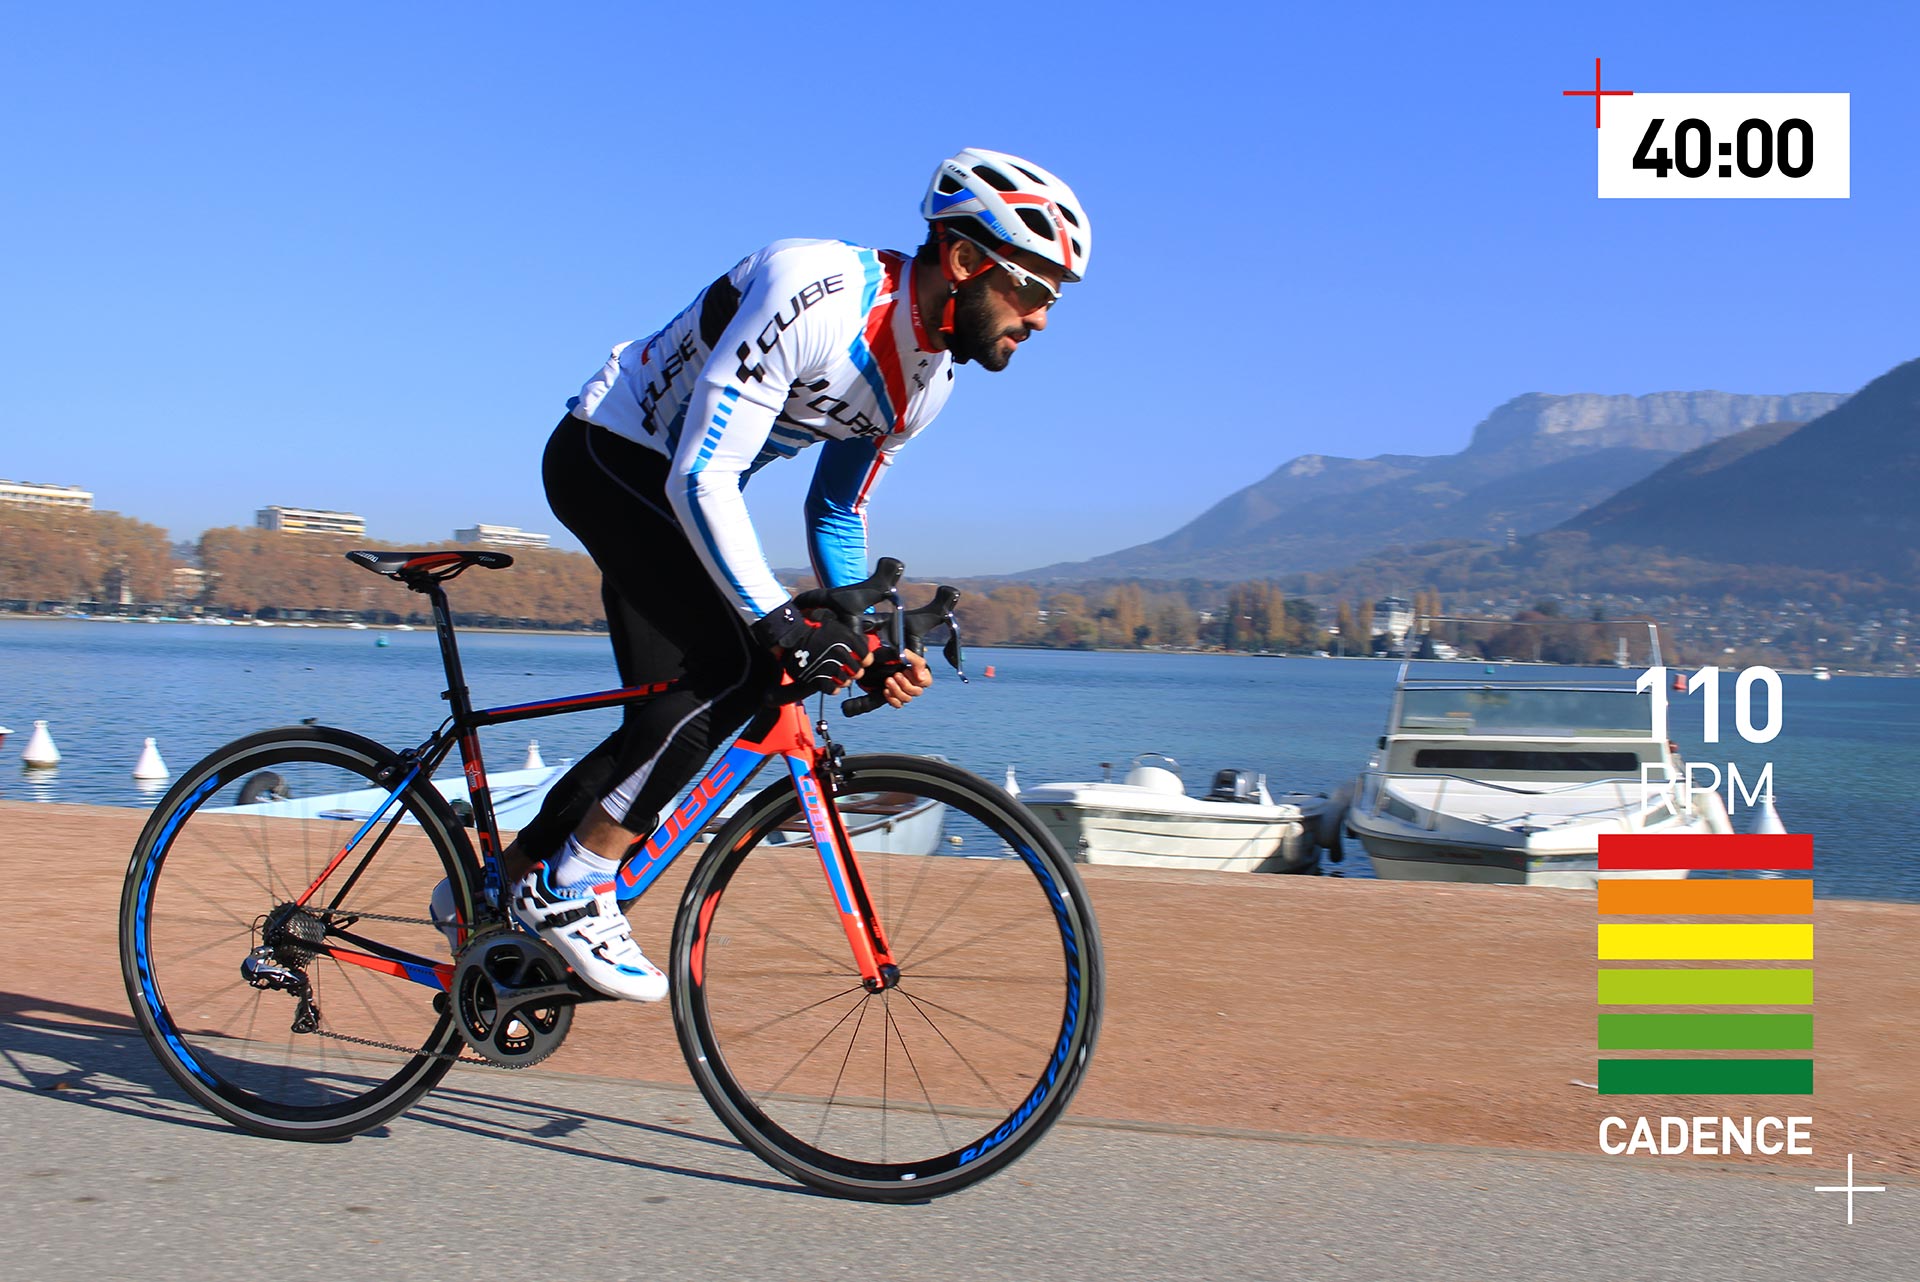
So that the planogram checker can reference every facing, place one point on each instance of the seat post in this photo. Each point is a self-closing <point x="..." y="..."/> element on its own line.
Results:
<point x="456" y="692"/>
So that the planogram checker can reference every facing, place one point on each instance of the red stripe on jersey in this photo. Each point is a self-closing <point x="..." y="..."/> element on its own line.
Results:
<point x="880" y="342"/>
<point x="920" y="337"/>
<point x="866" y="485"/>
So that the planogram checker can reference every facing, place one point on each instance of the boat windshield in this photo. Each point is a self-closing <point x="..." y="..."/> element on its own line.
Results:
<point x="1606" y="714"/>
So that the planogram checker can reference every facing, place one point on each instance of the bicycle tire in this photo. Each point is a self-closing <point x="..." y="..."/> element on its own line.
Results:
<point x="203" y="888"/>
<point x="995" y="1015"/>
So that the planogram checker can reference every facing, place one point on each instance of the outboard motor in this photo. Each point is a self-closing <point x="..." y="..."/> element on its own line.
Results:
<point x="1235" y="785"/>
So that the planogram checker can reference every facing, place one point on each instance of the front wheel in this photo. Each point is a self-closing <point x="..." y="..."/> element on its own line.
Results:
<point x="936" y="1081"/>
<point x="296" y="1002"/>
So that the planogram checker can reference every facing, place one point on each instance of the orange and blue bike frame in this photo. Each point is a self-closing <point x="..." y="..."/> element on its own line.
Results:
<point x="780" y="731"/>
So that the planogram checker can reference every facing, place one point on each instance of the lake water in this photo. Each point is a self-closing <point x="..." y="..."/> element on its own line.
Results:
<point x="1846" y="766"/>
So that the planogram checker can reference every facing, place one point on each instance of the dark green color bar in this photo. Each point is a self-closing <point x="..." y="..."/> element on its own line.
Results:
<point x="1706" y="1032"/>
<point x="1705" y="987"/>
<point x="1706" y="1077"/>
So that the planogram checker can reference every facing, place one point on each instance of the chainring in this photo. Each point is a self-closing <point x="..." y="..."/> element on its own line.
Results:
<point x="511" y="999"/>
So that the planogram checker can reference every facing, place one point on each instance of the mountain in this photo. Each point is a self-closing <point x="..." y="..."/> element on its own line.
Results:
<point x="1535" y="462"/>
<point x="1841" y="493"/>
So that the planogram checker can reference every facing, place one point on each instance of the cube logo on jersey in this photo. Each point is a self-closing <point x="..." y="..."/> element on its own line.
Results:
<point x="769" y="336"/>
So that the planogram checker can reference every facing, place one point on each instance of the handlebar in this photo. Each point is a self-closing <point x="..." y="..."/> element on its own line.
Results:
<point x="903" y="629"/>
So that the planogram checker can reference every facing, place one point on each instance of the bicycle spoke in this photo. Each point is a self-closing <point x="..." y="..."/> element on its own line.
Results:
<point x="932" y="1108"/>
<point x="852" y="1040"/>
<point x="948" y="1010"/>
<point x="747" y="1034"/>
<point x="957" y="1053"/>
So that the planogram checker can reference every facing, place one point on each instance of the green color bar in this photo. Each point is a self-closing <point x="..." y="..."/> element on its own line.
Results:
<point x="1706" y="1077"/>
<point x="1699" y="1032"/>
<point x="1695" y="987"/>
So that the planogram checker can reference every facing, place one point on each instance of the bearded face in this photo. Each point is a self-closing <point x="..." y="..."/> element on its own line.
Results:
<point x="979" y="326"/>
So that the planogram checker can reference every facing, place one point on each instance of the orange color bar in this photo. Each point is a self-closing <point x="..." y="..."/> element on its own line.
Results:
<point x="1706" y="898"/>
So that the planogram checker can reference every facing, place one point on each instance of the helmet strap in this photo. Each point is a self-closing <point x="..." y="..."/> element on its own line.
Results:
<point x="946" y="238"/>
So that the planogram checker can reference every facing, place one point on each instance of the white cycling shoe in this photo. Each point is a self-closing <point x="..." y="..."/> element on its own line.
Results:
<point x="585" y="923"/>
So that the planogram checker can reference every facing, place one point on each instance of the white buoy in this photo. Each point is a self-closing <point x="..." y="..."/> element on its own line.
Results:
<point x="40" y="750"/>
<point x="1013" y="785"/>
<point x="1767" y="819"/>
<point x="150" y="766"/>
<point x="534" y="761"/>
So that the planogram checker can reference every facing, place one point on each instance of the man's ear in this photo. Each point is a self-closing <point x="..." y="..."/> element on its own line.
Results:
<point x="964" y="259"/>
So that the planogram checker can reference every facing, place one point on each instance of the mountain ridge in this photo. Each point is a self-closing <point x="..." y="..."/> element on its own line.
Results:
<point x="1319" y="511"/>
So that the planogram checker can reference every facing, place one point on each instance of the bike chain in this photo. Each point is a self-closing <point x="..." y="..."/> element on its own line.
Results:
<point x="457" y="1057"/>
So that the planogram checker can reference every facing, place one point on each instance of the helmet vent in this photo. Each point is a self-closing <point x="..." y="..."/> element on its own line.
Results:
<point x="948" y="184"/>
<point x="1066" y="211"/>
<point x="1032" y="177"/>
<point x="1036" y="221"/>
<point x="995" y="179"/>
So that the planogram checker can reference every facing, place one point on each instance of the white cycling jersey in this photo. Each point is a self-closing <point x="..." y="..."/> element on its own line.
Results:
<point x="802" y="342"/>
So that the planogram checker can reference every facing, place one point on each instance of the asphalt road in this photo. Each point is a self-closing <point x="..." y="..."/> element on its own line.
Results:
<point x="110" y="1173"/>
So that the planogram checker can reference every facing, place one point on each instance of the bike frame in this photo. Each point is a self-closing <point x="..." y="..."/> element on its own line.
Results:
<point x="781" y="731"/>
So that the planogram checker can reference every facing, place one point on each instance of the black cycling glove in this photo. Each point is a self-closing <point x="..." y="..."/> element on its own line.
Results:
<point x="820" y="655"/>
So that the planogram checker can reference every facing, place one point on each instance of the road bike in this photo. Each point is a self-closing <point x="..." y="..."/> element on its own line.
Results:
<point x="898" y="1029"/>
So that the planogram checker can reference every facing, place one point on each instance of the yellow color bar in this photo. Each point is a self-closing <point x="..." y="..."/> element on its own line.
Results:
<point x="1705" y="941"/>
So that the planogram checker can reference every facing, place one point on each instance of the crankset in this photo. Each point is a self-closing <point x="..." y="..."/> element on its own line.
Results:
<point x="512" y="997"/>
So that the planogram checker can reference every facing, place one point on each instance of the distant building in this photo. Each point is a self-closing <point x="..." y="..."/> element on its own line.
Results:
<point x="1393" y="615"/>
<point x="189" y="583"/>
<point x="34" y="494"/>
<point x="304" y="520"/>
<point x="502" y="536"/>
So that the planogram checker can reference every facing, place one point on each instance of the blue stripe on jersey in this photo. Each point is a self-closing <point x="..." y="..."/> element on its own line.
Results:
<point x="713" y="547"/>
<point x="836" y="532"/>
<point x="728" y="395"/>
<point x="859" y="353"/>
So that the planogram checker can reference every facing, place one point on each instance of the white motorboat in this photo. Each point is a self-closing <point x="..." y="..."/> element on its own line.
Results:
<point x="1148" y="820"/>
<point x="884" y="823"/>
<point x="1513" y="775"/>
<point x="1822" y="674"/>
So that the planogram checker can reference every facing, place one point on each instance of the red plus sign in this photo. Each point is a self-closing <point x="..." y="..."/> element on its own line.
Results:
<point x="1597" y="92"/>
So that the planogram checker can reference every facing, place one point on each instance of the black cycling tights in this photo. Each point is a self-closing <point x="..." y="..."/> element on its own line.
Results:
<point x="666" y="618"/>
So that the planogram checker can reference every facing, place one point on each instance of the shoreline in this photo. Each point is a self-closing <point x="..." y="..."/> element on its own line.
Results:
<point x="464" y="629"/>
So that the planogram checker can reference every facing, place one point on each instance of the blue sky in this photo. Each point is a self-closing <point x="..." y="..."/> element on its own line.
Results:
<point x="358" y="256"/>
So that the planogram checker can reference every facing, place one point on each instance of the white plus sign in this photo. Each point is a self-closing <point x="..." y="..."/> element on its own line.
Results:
<point x="1850" y="1188"/>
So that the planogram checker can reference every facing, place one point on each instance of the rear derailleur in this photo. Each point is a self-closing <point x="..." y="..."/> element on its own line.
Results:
<point x="263" y="969"/>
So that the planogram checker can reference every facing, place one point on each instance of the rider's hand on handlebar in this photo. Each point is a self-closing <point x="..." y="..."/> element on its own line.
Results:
<point x="896" y="678"/>
<point x="819" y="654"/>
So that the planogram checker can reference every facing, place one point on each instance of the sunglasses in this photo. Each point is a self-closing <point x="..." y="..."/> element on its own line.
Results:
<point x="1031" y="292"/>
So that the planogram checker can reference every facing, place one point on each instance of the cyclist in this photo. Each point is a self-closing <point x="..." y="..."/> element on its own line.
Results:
<point x="804" y="342"/>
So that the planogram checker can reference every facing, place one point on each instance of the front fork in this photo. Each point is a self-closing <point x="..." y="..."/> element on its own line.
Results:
<point x="816" y="778"/>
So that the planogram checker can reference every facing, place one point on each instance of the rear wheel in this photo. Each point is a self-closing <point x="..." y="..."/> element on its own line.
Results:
<point x="308" y="1021"/>
<point x="934" y="1082"/>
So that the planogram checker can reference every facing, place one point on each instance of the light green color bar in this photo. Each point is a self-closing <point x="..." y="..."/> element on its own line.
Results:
<point x="1702" y="987"/>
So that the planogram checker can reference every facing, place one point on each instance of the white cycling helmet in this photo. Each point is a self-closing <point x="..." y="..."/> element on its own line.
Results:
<point x="1016" y="200"/>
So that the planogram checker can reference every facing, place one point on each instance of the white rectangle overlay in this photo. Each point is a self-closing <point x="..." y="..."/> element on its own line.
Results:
<point x="1719" y="144"/>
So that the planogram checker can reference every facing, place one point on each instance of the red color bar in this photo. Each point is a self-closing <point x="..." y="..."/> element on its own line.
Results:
<point x="1782" y="851"/>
